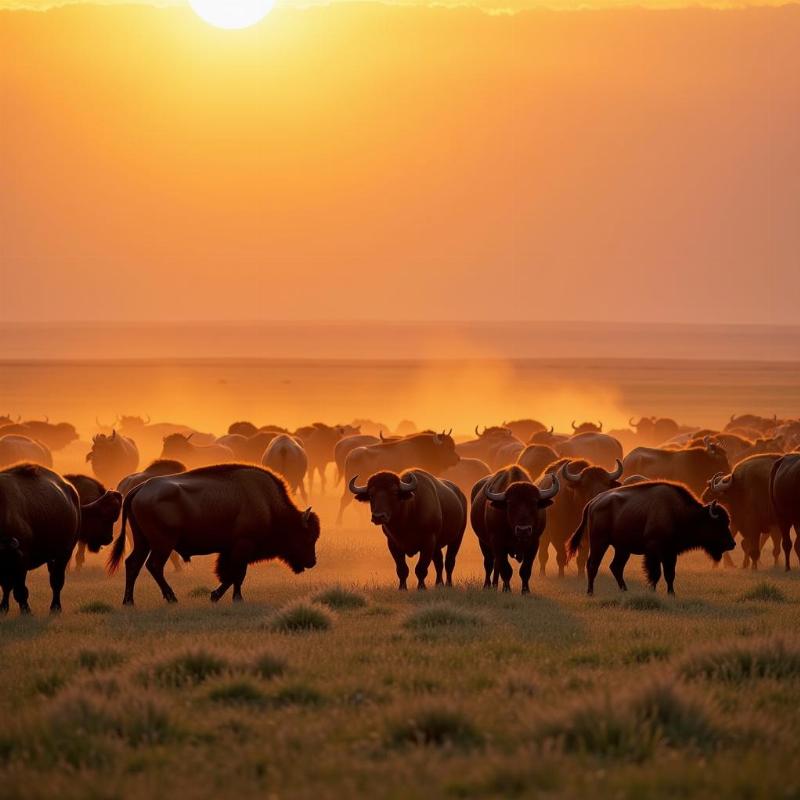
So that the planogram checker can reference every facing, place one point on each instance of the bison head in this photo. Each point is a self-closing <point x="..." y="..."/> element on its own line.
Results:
<point x="300" y="549"/>
<point x="524" y="505"/>
<point x="385" y="492"/>
<point x="243" y="429"/>
<point x="714" y="531"/>
<point x="591" y="480"/>
<point x="98" y="518"/>
<point x="587" y="427"/>
<point x="177" y="445"/>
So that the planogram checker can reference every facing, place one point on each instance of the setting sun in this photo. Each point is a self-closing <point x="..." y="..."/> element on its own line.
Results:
<point x="232" y="14"/>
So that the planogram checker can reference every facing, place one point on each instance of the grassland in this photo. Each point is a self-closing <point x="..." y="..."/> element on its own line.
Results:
<point x="333" y="684"/>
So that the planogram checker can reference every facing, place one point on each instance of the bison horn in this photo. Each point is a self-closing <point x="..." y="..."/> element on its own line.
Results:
<point x="306" y="516"/>
<point x="713" y="510"/>
<point x="552" y="491"/>
<point x="409" y="484"/>
<point x="574" y="426"/>
<point x="449" y="433"/>
<point x="569" y="477"/>
<point x="552" y="429"/>
<point x="189" y="436"/>
<point x="89" y="456"/>
<point x="380" y="435"/>
<point x="495" y="497"/>
<point x="476" y="431"/>
<point x="617" y="473"/>
<point x="720" y="483"/>
<point x="600" y="425"/>
<point x="147" y="421"/>
<point x="354" y="487"/>
<point x="633" y="424"/>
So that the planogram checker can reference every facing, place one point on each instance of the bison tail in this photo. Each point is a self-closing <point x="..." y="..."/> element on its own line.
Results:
<point x="118" y="548"/>
<point x="574" y="541"/>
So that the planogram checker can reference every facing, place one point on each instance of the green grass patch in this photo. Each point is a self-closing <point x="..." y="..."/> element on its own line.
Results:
<point x="643" y="602"/>
<point x="189" y="669"/>
<point x="340" y="599"/>
<point x="96" y="607"/>
<point x="438" y="616"/>
<point x="435" y="727"/>
<point x="297" y="694"/>
<point x="301" y="618"/>
<point x="238" y="693"/>
<point x="99" y="660"/>
<point x="764" y="592"/>
<point x="739" y="662"/>
<point x="49" y="684"/>
<point x="644" y="654"/>
<point x="268" y="666"/>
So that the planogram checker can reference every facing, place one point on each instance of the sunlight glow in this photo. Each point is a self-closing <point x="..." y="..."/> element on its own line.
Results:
<point x="232" y="14"/>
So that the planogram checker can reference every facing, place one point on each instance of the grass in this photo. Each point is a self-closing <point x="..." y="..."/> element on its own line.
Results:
<point x="301" y="618"/>
<point x="764" y="592"/>
<point x="96" y="607"/>
<point x="456" y="693"/>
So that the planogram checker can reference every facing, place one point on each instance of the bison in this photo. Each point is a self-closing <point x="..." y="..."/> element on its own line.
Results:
<point x="597" y="448"/>
<point x="242" y="428"/>
<point x="319" y="442"/>
<point x="179" y="447"/>
<point x="348" y="443"/>
<point x="113" y="457"/>
<point x="14" y="448"/>
<point x="508" y="516"/>
<point x="88" y="489"/>
<point x="587" y="427"/>
<point x="523" y="429"/>
<point x="694" y="466"/>
<point x="784" y="489"/>
<point x="286" y="456"/>
<point x="466" y="473"/>
<point x="433" y="452"/>
<point x="658" y="520"/>
<point x="53" y="436"/>
<point x="485" y="446"/>
<point x="745" y="495"/>
<point x="42" y="519"/>
<point x="241" y="512"/>
<point x="419" y="513"/>
<point x="580" y="483"/>
<point x="655" y="430"/>
<point x="535" y="458"/>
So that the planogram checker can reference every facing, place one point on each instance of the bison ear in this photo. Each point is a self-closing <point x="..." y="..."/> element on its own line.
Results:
<point x="306" y="516"/>
<point x="545" y="503"/>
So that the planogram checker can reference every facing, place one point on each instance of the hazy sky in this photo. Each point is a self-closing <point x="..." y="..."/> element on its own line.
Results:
<point x="379" y="162"/>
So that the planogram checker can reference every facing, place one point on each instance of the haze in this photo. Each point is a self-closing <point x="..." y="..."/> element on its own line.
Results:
<point x="401" y="163"/>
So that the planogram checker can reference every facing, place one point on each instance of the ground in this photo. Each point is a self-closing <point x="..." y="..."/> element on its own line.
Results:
<point x="370" y="692"/>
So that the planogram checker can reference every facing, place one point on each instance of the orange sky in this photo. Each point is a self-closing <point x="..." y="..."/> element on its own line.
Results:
<point x="368" y="161"/>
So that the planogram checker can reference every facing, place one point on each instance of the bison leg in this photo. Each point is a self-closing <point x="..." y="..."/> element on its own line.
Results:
<point x="525" y="570"/>
<point x="438" y="565"/>
<point x="21" y="592"/>
<point x="488" y="564"/>
<point x="57" y="570"/>
<point x="400" y="565"/>
<point x="580" y="560"/>
<point x="423" y="563"/>
<point x="503" y="570"/>
<point x="797" y="540"/>
<point x="751" y="544"/>
<point x="155" y="566"/>
<point x="322" y="482"/>
<point x="669" y="571"/>
<point x="133" y="566"/>
<point x="618" y="567"/>
<point x="652" y="569"/>
<point x="219" y="592"/>
<point x="595" y="558"/>
<point x="775" y="535"/>
<point x="4" y="602"/>
<point x="450" y="559"/>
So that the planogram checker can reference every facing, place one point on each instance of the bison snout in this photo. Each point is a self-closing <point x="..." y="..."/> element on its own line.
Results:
<point x="380" y="518"/>
<point x="523" y="531"/>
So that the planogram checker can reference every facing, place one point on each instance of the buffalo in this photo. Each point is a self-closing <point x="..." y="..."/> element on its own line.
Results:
<point x="180" y="447"/>
<point x="754" y="422"/>
<point x="580" y="482"/>
<point x="655" y="430"/>
<point x="745" y="495"/>
<point x="432" y="452"/>
<point x="658" y="520"/>
<point x="14" y="448"/>
<point x="43" y="519"/>
<point x="523" y="429"/>
<point x="242" y="428"/>
<point x="348" y="443"/>
<point x="535" y="458"/>
<point x="241" y="512"/>
<point x="113" y="457"/>
<point x="88" y="489"/>
<point x="784" y="489"/>
<point x="508" y="516"/>
<point x="587" y="427"/>
<point x="597" y="448"/>
<point x="286" y="456"/>
<point x="487" y="443"/>
<point x="694" y="466"/>
<point x="466" y="473"/>
<point x="419" y="513"/>
<point x="319" y="442"/>
<point x="54" y="436"/>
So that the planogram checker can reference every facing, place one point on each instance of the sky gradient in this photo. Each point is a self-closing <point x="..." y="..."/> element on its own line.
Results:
<point x="411" y="163"/>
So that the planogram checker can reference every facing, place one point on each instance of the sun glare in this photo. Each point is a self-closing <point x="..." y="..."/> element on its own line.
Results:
<point x="232" y="14"/>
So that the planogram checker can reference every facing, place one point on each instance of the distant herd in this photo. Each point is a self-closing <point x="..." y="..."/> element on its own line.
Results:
<point x="656" y="489"/>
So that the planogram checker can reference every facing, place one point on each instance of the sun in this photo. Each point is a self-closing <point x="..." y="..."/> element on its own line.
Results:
<point x="232" y="14"/>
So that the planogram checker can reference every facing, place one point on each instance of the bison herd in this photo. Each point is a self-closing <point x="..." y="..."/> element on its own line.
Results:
<point x="655" y="489"/>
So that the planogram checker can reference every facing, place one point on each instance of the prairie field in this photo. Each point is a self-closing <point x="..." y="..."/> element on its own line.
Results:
<point x="334" y="684"/>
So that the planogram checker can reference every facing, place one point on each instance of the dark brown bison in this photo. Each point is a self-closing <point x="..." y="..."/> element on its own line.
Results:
<point x="319" y="442"/>
<point x="157" y="468"/>
<point x="657" y="520"/>
<point x="548" y="438"/>
<point x="53" y="436"/>
<point x="14" y="448"/>
<point x="523" y="429"/>
<point x="508" y="516"/>
<point x="745" y="495"/>
<point x="587" y="427"/>
<point x="655" y="430"/>
<point x="89" y="489"/>
<point x="242" y="428"/>
<point x="418" y="513"/>
<point x="694" y="466"/>
<point x="241" y="512"/>
<point x="466" y="473"/>
<point x="113" y="457"/>
<point x="597" y="448"/>
<point x="42" y="519"/>
<point x="784" y="489"/>
<point x="754" y="422"/>
<point x="150" y="435"/>
<point x="579" y="484"/>
<point x="505" y="455"/>
<point x="345" y="445"/>
<point x="286" y="457"/>
<point x="535" y="458"/>
<point x="180" y="447"/>
<point x="486" y="444"/>
<point x="432" y="452"/>
<point x="248" y="449"/>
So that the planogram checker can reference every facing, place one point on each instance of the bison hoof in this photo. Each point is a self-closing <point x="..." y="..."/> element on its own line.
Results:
<point x="237" y="598"/>
<point x="214" y="597"/>
<point x="25" y="610"/>
<point x="55" y="609"/>
<point x="525" y="590"/>
<point x="170" y="598"/>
